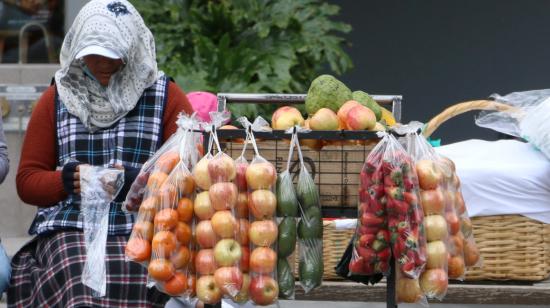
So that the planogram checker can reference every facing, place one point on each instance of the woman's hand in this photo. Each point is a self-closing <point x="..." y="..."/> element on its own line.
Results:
<point x="76" y="182"/>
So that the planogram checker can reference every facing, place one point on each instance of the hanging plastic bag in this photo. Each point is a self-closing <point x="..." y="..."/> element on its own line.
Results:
<point x="527" y="117"/>
<point x="261" y="178"/>
<point x="433" y="186"/>
<point x="99" y="187"/>
<point x="310" y="228"/>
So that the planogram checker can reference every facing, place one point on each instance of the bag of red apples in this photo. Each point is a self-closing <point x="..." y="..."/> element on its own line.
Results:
<point x="161" y="238"/>
<point x="390" y="218"/>
<point x="219" y="255"/>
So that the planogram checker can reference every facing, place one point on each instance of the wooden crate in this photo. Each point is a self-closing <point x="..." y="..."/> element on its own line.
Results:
<point x="335" y="168"/>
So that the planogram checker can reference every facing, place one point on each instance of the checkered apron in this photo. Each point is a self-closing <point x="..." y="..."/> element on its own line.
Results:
<point x="47" y="271"/>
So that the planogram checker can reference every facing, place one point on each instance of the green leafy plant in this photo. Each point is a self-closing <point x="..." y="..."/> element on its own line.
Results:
<point x="248" y="46"/>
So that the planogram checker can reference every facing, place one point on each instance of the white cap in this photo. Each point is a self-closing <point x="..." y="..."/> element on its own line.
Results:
<point x="97" y="50"/>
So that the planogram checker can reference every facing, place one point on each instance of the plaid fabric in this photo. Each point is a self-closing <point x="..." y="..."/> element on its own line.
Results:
<point x="47" y="273"/>
<point x="130" y="142"/>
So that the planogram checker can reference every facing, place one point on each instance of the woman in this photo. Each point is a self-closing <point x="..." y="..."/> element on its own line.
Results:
<point x="4" y="168"/>
<point x="109" y="106"/>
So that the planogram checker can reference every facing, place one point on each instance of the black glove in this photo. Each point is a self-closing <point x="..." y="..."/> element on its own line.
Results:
<point x="67" y="176"/>
<point x="130" y="174"/>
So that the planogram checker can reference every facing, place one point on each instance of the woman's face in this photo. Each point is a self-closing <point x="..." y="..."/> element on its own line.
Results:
<point x="102" y="67"/>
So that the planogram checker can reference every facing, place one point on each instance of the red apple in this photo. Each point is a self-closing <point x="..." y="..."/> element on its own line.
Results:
<point x="200" y="174"/>
<point x="453" y="222"/>
<point x="263" y="233"/>
<point x="343" y="111"/>
<point x="263" y="260"/>
<point x="263" y="290"/>
<point x="241" y="209"/>
<point x="224" y="224"/>
<point x="436" y="228"/>
<point x="429" y="175"/>
<point x="222" y="168"/>
<point x="262" y="203"/>
<point x="223" y="196"/>
<point x="243" y="296"/>
<point x="208" y="291"/>
<point x="240" y="178"/>
<point x="408" y="290"/>
<point x="286" y="117"/>
<point x="261" y="175"/>
<point x="437" y="255"/>
<point x="360" y="117"/>
<point x="203" y="207"/>
<point x="206" y="237"/>
<point x="229" y="280"/>
<point x="245" y="259"/>
<point x="324" y="119"/>
<point x="227" y="252"/>
<point x="205" y="263"/>
<point x="434" y="283"/>
<point x="244" y="226"/>
<point x="432" y="202"/>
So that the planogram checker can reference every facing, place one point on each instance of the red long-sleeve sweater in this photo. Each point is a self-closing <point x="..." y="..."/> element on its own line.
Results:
<point x="38" y="181"/>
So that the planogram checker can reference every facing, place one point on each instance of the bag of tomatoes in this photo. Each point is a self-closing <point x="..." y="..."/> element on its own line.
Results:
<point x="161" y="238"/>
<point x="156" y="169"/>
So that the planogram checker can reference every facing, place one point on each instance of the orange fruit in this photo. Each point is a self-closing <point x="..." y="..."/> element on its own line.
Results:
<point x="161" y="269"/>
<point x="456" y="267"/>
<point x="164" y="243"/>
<point x="186" y="184"/>
<point x="167" y="161"/>
<point x="138" y="249"/>
<point x="177" y="285"/>
<point x="471" y="253"/>
<point x="183" y="233"/>
<point x="185" y="209"/>
<point x="181" y="257"/>
<point x="168" y="194"/>
<point x="156" y="179"/>
<point x="166" y="219"/>
<point x="144" y="229"/>
<point x="456" y="247"/>
<point x="148" y="208"/>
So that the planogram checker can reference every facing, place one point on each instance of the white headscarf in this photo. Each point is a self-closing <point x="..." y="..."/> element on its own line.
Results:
<point x="115" y="25"/>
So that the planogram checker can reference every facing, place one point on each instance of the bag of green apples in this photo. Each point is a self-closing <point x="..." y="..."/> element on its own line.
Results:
<point x="217" y="261"/>
<point x="261" y="178"/>
<point x="310" y="228"/>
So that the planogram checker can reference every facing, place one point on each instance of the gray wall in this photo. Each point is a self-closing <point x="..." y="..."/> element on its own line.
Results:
<point x="437" y="53"/>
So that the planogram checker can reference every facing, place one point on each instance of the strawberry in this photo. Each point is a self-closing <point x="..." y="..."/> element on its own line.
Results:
<point x="382" y="267"/>
<point x="366" y="240"/>
<point x="378" y="245"/>
<point x="410" y="198"/>
<point x="377" y="177"/>
<point x="376" y="190"/>
<point x="417" y="215"/>
<point x="403" y="227"/>
<point x="376" y="207"/>
<point x="411" y="242"/>
<point x="368" y="254"/>
<point x="368" y="230"/>
<point x="363" y="194"/>
<point x="401" y="207"/>
<point x="368" y="267"/>
<point x="395" y="193"/>
<point x="407" y="267"/>
<point x="408" y="183"/>
<point x="399" y="247"/>
<point x="384" y="255"/>
<point x="383" y="235"/>
<point x="397" y="177"/>
<point x="371" y="220"/>
<point x="356" y="265"/>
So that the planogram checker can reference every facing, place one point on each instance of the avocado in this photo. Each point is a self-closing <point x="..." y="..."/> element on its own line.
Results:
<point x="287" y="237"/>
<point x="306" y="190"/>
<point x="310" y="267"/>
<point x="311" y="224"/>
<point x="285" y="279"/>
<point x="366" y="100"/>
<point x="287" y="203"/>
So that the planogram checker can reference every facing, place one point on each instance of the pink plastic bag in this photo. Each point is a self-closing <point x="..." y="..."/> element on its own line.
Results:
<point x="203" y="103"/>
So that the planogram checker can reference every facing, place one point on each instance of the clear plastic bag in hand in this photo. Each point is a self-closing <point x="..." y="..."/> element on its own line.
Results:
<point x="99" y="186"/>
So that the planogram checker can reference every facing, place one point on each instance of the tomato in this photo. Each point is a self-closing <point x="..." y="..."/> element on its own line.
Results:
<point x="166" y="219"/>
<point x="183" y="233"/>
<point x="161" y="269"/>
<point x="164" y="243"/>
<point x="156" y="179"/>
<point x="144" y="229"/>
<point x="177" y="285"/>
<point x="181" y="257"/>
<point x="138" y="249"/>
<point x="185" y="210"/>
